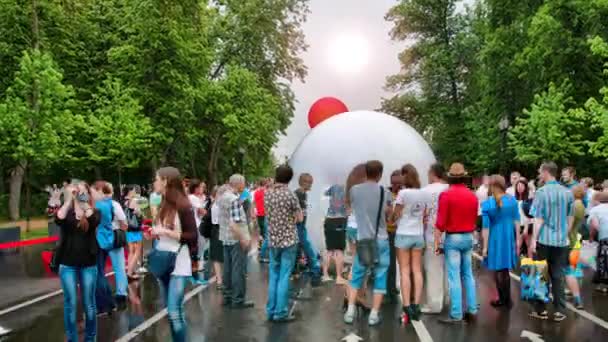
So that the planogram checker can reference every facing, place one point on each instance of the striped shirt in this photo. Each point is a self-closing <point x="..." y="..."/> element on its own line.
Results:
<point x="553" y="204"/>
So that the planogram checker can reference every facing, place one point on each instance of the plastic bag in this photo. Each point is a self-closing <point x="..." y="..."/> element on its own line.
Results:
<point x="588" y="254"/>
<point x="534" y="285"/>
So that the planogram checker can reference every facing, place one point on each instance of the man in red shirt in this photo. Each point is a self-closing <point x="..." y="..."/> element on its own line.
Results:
<point x="258" y="200"/>
<point x="457" y="218"/>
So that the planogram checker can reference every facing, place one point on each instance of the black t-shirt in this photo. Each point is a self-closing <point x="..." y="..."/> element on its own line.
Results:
<point x="302" y="198"/>
<point x="78" y="248"/>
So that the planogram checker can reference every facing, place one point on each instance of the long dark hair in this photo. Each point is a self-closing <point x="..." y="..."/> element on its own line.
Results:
<point x="174" y="197"/>
<point x="411" y="179"/>
<point x="526" y="194"/>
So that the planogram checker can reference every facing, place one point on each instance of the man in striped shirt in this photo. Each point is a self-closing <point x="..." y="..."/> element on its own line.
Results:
<point x="553" y="215"/>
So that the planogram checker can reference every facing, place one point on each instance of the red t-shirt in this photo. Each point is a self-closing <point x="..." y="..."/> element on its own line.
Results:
<point x="258" y="198"/>
<point x="457" y="210"/>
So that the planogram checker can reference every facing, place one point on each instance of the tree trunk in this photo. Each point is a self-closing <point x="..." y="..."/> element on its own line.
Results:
<point x="16" y="182"/>
<point x="35" y="29"/>
<point x="28" y="199"/>
<point x="2" y="184"/>
<point x="120" y="180"/>
<point x="98" y="174"/>
<point x="212" y="166"/>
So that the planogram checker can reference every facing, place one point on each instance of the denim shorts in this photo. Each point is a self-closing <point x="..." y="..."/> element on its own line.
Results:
<point x="351" y="234"/>
<point x="409" y="241"/>
<point x="380" y="270"/>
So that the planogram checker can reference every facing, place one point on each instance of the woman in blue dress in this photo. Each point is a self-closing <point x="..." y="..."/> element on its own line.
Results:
<point x="500" y="216"/>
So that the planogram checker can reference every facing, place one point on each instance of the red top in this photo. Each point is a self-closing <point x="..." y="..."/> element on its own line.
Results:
<point x="258" y="198"/>
<point x="457" y="211"/>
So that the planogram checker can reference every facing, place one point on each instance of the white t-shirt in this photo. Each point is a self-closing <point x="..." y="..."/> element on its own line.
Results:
<point x="119" y="215"/>
<point x="433" y="190"/>
<point x="482" y="196"/>
<point x="414" y="202"/>
<point x="215" y="213"/>
<point x="183" y="264"/>
<point x="511" y="190"/>
<point x="197" y="203"/>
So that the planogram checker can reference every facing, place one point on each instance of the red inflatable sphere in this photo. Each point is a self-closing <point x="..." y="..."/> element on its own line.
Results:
<point x="323" y="109"/>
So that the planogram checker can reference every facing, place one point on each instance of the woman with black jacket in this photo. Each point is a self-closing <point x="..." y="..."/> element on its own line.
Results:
<point x="77" y="259"/>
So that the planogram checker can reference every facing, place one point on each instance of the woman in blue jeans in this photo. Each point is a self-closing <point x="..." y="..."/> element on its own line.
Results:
<point x="76" y="256"/>
<point x="176" y="231"/>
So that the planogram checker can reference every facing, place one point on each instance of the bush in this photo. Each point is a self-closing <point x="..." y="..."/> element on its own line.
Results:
<point x="39" y="204"/>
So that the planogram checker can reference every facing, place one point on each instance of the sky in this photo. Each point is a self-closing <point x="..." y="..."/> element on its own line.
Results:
<point x="334" y="27"/>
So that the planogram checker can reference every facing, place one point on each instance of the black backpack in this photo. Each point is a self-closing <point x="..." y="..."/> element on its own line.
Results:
<point x="206" y="226"/>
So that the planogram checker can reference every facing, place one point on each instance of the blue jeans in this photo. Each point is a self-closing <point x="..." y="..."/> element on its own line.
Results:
<point x="173" y="295"/>
<point x="70" y="276"/>
<point x="120" y="275"/>
<point x="458" y="259"/>
<point x="235" y="274"/>
<point x="282" y="261"/>
<point x="264" y="230"/>
<point x="309" y="250"/>
<point x="380" y="269"/>
<point x="103" y="291"/>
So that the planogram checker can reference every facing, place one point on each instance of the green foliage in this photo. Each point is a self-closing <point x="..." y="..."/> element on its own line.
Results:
<point x="549" y="130"/>
<point x="35" y="113"/>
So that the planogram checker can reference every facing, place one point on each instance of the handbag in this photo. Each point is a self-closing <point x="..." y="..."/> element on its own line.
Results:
<point x="133" y="223"/>
<point x="367" y="249"/>
<point x="162" y="263"/>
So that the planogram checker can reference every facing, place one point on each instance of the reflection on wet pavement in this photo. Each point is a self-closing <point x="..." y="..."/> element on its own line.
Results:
<point x="319" y="318"/>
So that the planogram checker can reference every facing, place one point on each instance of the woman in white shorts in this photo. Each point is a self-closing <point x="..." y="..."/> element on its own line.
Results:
<point x="410" y="210"/>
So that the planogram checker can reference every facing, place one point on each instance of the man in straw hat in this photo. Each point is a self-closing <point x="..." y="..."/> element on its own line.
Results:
<point x="457" y="218"/>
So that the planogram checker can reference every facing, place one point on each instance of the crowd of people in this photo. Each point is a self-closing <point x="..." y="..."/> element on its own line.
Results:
<point x="403" y="239"/>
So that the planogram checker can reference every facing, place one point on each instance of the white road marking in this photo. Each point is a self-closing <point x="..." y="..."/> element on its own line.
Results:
<point x="352" y="337"/>
<point x="4" y="331"/>
<point x="36" y="300"/>
<point x="159" y="315"/>
<point x="534" y="337"/>
<point x="569" y="306"/>
<point x="422" y="332"/>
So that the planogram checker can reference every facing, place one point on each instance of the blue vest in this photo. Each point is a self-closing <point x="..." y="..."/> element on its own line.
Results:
<point x="105" y="234"/>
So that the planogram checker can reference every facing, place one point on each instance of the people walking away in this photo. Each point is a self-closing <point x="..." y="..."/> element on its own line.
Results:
<point x="335" y="233"/>
<point x="500" y="216"/>
<point x="410" y="210"/>
<point x="283" y="212"/>
<point x="598" y="222"/>
<point x="456" y="217"/>
<point x="216" y="249"/>
<point x="234" y="233"/>
<point x="392" y="293"/>
<point x="135" y="236"/>
<point x="371" y="204"/>
<point x="305" y="182"/>
<point x="574" y="271"/>
<point x="171" y="260"/>
<point x="526" y="225"/>
<point x="553" y="210"/>
<point x="434" y="271"/>
<point x="77" y="259"/>
<point x="196" y="196"/>
<point x="111" y="238"/>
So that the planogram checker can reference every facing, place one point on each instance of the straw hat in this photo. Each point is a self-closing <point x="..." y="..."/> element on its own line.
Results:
<point x="457" y="170"/>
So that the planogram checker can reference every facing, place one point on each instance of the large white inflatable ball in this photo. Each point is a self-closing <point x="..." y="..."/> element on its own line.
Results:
<point x="334" y="147"/>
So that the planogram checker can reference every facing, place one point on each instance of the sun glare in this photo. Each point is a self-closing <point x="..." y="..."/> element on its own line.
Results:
<point x="348" y="52"/>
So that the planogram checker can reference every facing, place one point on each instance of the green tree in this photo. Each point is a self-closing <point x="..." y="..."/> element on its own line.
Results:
<point x="117" y="129"/>
<point x="550" y="129"/>
<point x="34" y="114"/>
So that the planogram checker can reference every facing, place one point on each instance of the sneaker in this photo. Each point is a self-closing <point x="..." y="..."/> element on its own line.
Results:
<point x="539" y="315"/>
<point x="349" y="317"/>
<point x="404" y="318"/>
<point x="450" y="320"/>
<point x="558" y="317"/>
<point x="243" y="305"/>
<point x="470" y="317"/>
<point x="341" y="281"/>
<point x="142" y="270"/>
<point x="428" y="311"/>
<point x="327" y="279"/>
<point x="603" y="290"/>
<point x="374" y="320"/>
